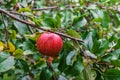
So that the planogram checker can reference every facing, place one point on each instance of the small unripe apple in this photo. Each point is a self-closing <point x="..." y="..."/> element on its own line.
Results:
<point x="50" y="60"/>
<point x="49" y="44"/>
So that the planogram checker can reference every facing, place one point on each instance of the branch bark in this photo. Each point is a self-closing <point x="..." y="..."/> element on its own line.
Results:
<point x="35" y="26"/>
<point x="114" y="8"/>
<point x="53" y="7"/>
<point x="40" y="9"/>
<point x="14" y="12"/>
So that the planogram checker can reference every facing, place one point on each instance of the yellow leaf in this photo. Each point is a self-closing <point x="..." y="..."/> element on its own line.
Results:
<point x="11" y="47"/>
<point x="1" y="46"/>
<point x="18" y="53"/>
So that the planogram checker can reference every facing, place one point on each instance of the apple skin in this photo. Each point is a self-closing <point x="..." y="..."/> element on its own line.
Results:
<point x="49" y="44"/>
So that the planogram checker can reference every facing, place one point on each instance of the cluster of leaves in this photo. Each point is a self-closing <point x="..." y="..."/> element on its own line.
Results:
<point x="98" y="58"/>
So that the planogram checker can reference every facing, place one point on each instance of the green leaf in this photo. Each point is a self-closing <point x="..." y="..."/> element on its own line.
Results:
<point x="7" y="64"/>
<point x="107" y="58"/>
<point x="34" y="36"/>
<point x="79" y="22"/>
<point x="64" y="53"/>
<point x="18" y="53"/>
<point x="95" y="47"/>
<point x="58" y="20"/>
<point x="112" y="74"/>
<point x="89" y="74"/>
<point x="115" y="54"/>
<point x="106" y="19"/>
<point x="24" y="3"/>
<point x="97" y="13"/>
<point x="117" y="45"/>
<point x="115" y="63"/>
<point x="89" y="41"/>
<point x="37" y="21"/>
<point x="73" y="33"/>
<point x="103" y="15"/>
<point x="97" y="20"/>
<point x="27" y="52"/>
<point x="118" y="16"/>
<point x="13" y="34"/>
<point x="88" y="53"/>
<point x="76" y="68"/>
<point x="7" y="77"/>
<point x="22" y="28"/>
<point x="69" y="57"/>
<point x="113" y="38"/>
<point x="22" y="64"/>
<point x="24" y="9"/>
<point x="50" y="22"/>
<point x="28" y="45"/>
<point x="103" y="46"/>
<point x="3" y="56"/>
<point x="45" y="74"/>
<point x="62" y="78"/>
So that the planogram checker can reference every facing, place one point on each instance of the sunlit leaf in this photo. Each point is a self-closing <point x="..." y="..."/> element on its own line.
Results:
<point x="10" y="46"/>
<point x="24" y="10"/>
<point x="33" y="37"/>
<point x="1" y="46"/>
<point x="18" y="53"/>
<point x="73" y="33"/>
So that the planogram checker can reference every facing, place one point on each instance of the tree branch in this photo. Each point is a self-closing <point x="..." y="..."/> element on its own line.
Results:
<point x="35" y="26"/>
<point x="115" y="8"/>
<point x="53" y="7"/>
<point x="47" y="8"/>
<point x="14" y="12"/>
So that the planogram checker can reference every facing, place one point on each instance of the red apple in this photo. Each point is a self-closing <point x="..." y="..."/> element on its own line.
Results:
<point x="49" y="44"/>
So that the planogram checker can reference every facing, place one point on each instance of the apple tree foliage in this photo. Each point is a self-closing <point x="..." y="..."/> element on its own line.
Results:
<point x="95" y="22"/>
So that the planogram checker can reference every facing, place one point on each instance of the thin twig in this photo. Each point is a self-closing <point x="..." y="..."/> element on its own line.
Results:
<point x="35" y="26"/>
<point x="47" y="8"/>
<point x="6" y="30"/>
<point x="53" y="7"/>
<point x="24" y="16"/>
<point x="14" y="12"/>
<point x="114" y="8"/>
<point x="29" y="28"/>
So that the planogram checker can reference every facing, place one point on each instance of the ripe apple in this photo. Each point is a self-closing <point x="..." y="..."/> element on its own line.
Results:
<point x="49" y="44"/>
